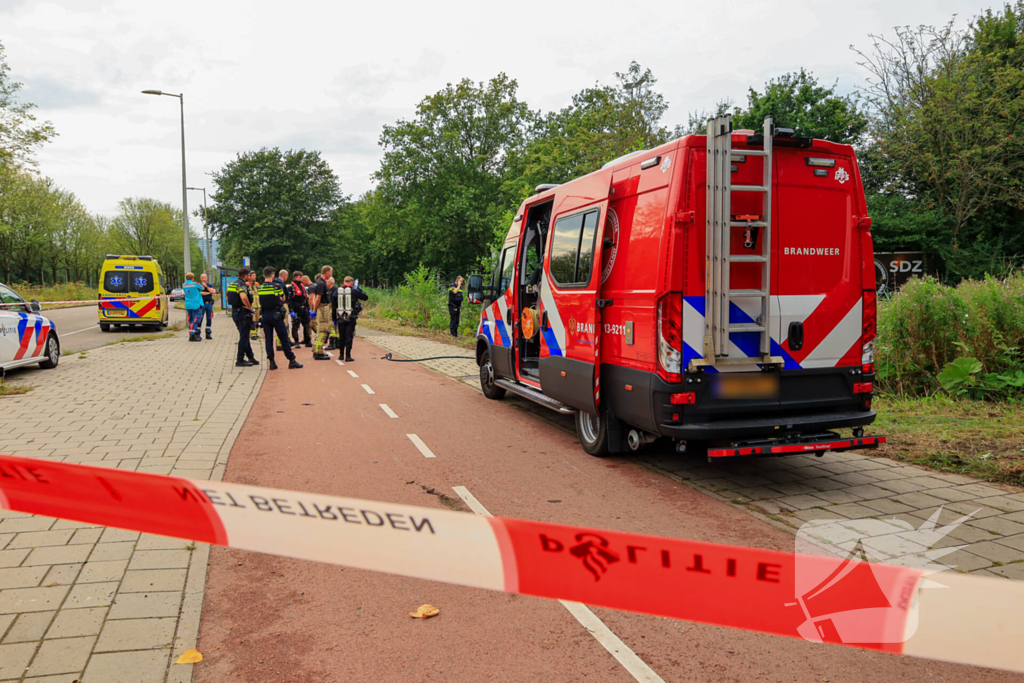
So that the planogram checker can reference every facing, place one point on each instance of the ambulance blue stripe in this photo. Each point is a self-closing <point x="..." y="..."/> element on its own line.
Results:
<point x="500" y="324"/>
<point x="553" y="348"/>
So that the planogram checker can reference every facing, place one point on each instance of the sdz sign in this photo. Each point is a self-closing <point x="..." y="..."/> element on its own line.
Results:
<point x="894" y="269"/>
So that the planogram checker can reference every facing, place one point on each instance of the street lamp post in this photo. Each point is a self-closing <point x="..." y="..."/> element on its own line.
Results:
<point x="184" y="194"/>
<point x="206" y="231"/>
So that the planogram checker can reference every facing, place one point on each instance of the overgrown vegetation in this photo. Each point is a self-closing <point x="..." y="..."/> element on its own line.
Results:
<point x="420" y="302"/>
<point x="966" y="339"/>
<point x="73" y="291"/>
<point x="13" y="389"/>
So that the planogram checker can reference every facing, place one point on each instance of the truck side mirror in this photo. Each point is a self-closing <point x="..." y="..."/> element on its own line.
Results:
<point x="476" y="288"/>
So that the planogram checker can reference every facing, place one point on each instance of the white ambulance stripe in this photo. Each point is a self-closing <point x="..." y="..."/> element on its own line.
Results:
<point x="387" y="409"/>
<point x="453" y="546"/>
<point x="629" y="660"/>
<point x="837" y="342"/>
<point x="420" y="446"/>
<point x="554" y="317"/>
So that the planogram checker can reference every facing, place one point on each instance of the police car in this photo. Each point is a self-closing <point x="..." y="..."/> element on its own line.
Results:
<point x="26" y="336"/>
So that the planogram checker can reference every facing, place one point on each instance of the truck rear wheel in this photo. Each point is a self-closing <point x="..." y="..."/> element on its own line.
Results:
<point x="592" y="431"/>
<point x="490" y="389"/>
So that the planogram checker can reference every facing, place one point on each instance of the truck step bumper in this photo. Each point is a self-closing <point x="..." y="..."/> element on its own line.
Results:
<point x="818" y="444"/>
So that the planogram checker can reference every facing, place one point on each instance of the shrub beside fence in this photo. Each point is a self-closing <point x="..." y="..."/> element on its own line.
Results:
<point x="421" y="301"/>
<point x="73" y="291"/>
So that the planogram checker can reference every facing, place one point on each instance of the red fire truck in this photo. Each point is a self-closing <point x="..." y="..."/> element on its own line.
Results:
<point x="718" y="289"/>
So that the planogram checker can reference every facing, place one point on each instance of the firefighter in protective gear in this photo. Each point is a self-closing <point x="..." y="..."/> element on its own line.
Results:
<point x="239" y="299"/>
<point x="255" y="300"/>
<point x="282" y="279"/>
<point x="455" y="306"/>
<point x="321" y="306"/>
<point x="271" y="296"/>
<point x="332" y="340"/>
<point x="298" y="301"/>
<point x="349" y="307"/>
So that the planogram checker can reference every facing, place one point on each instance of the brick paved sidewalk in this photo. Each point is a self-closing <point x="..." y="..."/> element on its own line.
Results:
<point x="100" y="605"/>
<point x="791" y="490"/>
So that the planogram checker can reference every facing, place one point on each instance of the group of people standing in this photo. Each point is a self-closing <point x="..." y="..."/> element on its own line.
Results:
<point x="333" y="310"/>
<point x="198" y="305"/>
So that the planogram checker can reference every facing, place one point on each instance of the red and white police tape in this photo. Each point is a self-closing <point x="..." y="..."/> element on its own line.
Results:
<point x="977" y="621"/>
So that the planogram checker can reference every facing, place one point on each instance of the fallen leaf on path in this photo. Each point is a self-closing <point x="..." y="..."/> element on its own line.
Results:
<point x="425" y="612"/>
<point x="190" y="657"/>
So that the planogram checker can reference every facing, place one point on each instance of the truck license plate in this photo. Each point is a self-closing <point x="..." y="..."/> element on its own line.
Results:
<point x="736" y="385"/>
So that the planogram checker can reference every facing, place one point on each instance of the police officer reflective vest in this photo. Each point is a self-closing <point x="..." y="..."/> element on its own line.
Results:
<point x="270" y="294"/>
<point x="235" y="291"/>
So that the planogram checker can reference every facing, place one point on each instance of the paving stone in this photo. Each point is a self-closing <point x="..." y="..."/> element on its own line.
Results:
<point x="970" y="534"/>
<point x="29" y="626"/>
<point x="1013" y="571"/>
<point x="824" y="484"/>
<point x="757" y="493"/>
<point x="91" y="595"/>
<point x="5" y="539"/>
<point x="77" y="622"/>
<point x="34" y="539"/>
<point x="965" y="561"/>
<point x="21" y="577"/>
<point x="20" y="524"/>
<point x="836" y="497"/>
<point x="39" y="599"/>
<point x="144" y="605"/>
<point x="1016" y="542"/>
<point x="5" y="621"/>
<point x="62" y="655"/>
<point x="136" y="634"/>
<point x="14" y="658"/>
<point x="107" y="552"/>
<point x="160" y="559"/>
<point x="62" y="574"/>
<point x="854" y="478"/>
<point x="1003" y="527"/>
<point x="977" y="511"/>
<point x="792" y="489"/>
<point x="1004" y="503"/>
<point x="111" y="535"/>
<point x="868" y="492"/>
<point x="981" y="490"/>
<point x="918" y="500"/>
<point x="58" y="554"/>
<point x="812" y="514"/>
<point x="927" y="482"/>
<point x="89" y="536"/>
<point x="59" y="678"/>
<point x="996" y="552"/>
<point x="898" y="486"/>
<point x="153" y="580"/>
<point x="96" y="572"/>
<point x="952" y="494"/>
<point x="852" y="510"/>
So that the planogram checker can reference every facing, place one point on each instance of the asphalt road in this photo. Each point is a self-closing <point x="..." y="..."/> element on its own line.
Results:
<point x="323" y="430"/>
<point x="79" y="329"/>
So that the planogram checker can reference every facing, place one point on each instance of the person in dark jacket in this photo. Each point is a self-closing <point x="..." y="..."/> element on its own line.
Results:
<point x="349" y="307"/>
<point x="298" y="302"/>
<point x="455" y="306"/>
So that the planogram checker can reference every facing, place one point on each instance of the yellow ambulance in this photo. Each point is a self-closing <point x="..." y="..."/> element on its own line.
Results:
<point x="130" y="291"/>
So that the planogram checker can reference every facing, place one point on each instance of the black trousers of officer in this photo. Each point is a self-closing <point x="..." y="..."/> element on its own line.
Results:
<point x="453" y="324"/>
<point x="301" y="318"/>
<point x="241" y="318"/>
<point x="274" y="322"/>
<point x="347" y="332"/>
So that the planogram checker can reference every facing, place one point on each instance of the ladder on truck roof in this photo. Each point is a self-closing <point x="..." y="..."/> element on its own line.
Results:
<point x="719" y="256"/>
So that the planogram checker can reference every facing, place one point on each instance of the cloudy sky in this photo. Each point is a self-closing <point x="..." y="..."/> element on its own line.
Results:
<point x="328" y="75"/>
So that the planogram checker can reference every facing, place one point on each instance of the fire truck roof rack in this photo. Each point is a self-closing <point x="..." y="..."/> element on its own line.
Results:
<point x="624" y="157"/>
<point x="543" y="187"/>
<point x="719" y="293"/>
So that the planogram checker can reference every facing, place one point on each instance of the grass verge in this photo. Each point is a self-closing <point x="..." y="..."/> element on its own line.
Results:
<point x="142" y="338"/>
<point x="371" y="322"/>
<point x="976" y="438"/>
<point x="13" y="389"/>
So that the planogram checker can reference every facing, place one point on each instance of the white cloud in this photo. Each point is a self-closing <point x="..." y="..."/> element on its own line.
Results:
<point x="329" y="75"/>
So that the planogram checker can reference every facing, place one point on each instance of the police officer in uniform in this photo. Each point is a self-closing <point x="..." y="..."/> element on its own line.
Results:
<point x="240" y="300"/>
<point x="271" y="296"/>
<point x="455" y="306"/>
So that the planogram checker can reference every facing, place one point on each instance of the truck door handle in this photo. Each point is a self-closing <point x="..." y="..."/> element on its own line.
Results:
<point x="544" y="321"/>
<point x="508" y="317"/>
<point x="796" y="336"/>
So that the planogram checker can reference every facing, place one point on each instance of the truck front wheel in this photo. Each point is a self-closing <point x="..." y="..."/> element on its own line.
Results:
<point x="487" y="385"/>
<point x="592" y="431"/>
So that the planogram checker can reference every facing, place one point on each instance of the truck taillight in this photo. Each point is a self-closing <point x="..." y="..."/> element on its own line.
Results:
<point x="158" y="303"/>
<point x="869" y="320"/>
<point x="687" y="398"/>
<point x="670" y="338"/>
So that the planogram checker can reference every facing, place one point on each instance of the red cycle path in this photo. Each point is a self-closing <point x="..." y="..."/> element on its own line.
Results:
<point x="273" y="619"/>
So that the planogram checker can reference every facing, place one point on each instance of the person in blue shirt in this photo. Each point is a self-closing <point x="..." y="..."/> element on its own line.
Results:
<point x="193" y="307"/>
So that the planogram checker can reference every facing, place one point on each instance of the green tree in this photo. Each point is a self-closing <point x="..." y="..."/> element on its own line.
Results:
<point x="20" y="134"/>
<point x="796" y="100"/>
<point x="279" y="208"/>
<point x="601" y="124"/>
<point x="447" y="176"/>
<point x="948" y="106"/>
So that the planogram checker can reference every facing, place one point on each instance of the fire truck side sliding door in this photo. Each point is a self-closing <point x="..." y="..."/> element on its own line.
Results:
<point x="572" y="279"/>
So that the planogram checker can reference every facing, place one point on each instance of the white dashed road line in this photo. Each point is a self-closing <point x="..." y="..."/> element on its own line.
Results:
<point x="352" y="373"/>
<point x="386" y="409"/>
<point x="418" y="442"/>
<point x="368" y="389"/>
<point x="629" y="660"/>
<point x="338" y="361"/>
<point x="84" y="329"/>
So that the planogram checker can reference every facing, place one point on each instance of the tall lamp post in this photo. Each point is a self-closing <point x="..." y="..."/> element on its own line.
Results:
<point x="206" y="231"/>
<point x="184" y="194"/>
